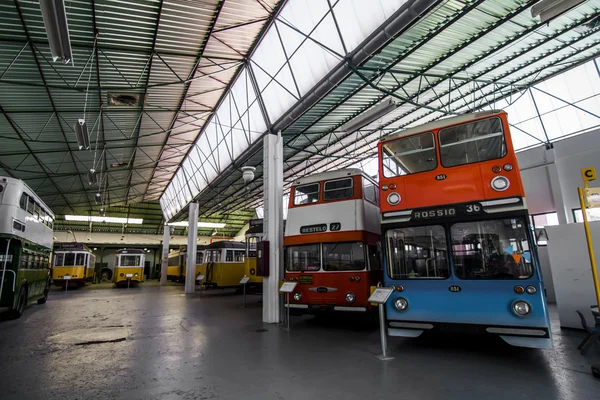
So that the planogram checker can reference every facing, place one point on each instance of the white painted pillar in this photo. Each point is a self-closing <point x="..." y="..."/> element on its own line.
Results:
<point x="192" y="246"/>
<point x="564" y="216"/>
<point x="273" y="225"/>
<point x="164" y="263"/>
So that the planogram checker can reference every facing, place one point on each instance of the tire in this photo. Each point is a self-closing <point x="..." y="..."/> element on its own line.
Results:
<point x="44" y="299"/>
<point x="21" y="304"/>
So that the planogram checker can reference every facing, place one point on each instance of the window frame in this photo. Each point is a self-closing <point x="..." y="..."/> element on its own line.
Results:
<point x="366" y="180"/>
<point x="351" y="178"/>
<point x="574" y="213"/>
<point x="307" y="184"/>
<point x="435" y="152"/>
<point x="365" y="256"/>
<point x="319" y="252"/>
<point x="439" y="140"/>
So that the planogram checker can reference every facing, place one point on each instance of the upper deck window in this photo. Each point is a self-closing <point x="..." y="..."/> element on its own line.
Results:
<point x="306" y="194"/>
<point x="338" y="189"/>
<point x="409" y="155"/>
<point x="370" y="191"/>
<point x="472" y="142"/>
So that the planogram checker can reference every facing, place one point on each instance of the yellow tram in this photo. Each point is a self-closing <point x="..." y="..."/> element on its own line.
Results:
<point x="223" y="265"/>
<point x="129" y="267"/>
<point x="254" y="234"/>
<point x="73" y="265"/>
<point x="176" y="269"/>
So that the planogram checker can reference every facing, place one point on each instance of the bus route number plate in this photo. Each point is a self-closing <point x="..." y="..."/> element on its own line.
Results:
<point x="380" y="295"/>
<point x="288" y="287"/>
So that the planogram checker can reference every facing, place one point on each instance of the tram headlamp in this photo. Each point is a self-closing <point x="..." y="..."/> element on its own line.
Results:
<point x="297" y="296"/>
<point x="500" y="183"/>
<point x="350" y="297"/>
<point x="531" y="290"/>
<point x="252" y="271"/>
<point x="393" y="198"/>
<point x="136" y="274"/>
<point x="401" y="304"/>
<point x="508" y="167"/>
<point x="521" y="308"/>
<point x="122" y="274"/>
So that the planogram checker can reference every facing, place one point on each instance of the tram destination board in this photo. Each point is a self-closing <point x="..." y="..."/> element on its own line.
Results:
<point x="447" y="212"/>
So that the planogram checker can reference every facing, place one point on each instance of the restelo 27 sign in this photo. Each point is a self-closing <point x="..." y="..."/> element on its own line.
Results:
<point x="320" y="228"/>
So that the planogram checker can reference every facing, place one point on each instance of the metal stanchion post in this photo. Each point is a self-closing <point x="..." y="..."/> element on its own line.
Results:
<point x="244" y="295"/>
<point x="384" y="355"/>
<point x="287" y="300"/>
<point x="128" y="279"/>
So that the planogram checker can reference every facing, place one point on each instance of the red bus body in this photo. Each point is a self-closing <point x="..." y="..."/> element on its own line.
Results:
<point x="451" y="185"/>
<point x="330" y="226"/>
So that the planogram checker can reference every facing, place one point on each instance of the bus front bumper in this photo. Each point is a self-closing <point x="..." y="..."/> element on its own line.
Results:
<point x="318" y="308"/>
<point x="521" y="336"/>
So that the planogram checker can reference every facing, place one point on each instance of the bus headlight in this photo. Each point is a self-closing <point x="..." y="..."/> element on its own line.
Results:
<point x="393" y="198"/>
<point x="521" y="308"/>
<point x="401" y="304"/>
<point x="500" y="183"/>
<point x="297" y="296"/>
<point x="136" y="274"/>
<point x="350" y="297"/>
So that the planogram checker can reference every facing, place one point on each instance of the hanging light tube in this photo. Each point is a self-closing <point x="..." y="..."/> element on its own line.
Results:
<point x="81" y="132"/>
<point x="112" y="220"/>
<point x="548" y="9"/>
<point x="372" y="114"/>
<point x="201" y="224"/>
<point x="57" y="29"/>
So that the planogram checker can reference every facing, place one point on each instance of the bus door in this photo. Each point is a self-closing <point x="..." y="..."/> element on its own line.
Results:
<point x="417" y="260"/>
<point x="492" y="259"/>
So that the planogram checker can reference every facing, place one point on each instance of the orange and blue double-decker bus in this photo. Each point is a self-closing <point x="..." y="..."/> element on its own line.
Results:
<point x="458" y="246"/>
<point x="331" y="242"/>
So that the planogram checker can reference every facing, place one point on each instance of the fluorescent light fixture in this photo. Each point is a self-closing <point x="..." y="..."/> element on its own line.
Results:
<point x="81" y="132"/>
<point x="92" y="178"/>
<point x="111" y="220"/>
<point x="372" y="114"/>
<point x="548" y="9"/>
<point x="200" y="224"/>
<point x="57" y="29"/>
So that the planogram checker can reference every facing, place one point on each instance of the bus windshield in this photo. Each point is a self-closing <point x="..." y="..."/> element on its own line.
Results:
<point x="409" y="155"/>
<point x="343" y="256"/>
<point x="496" y="249"/>
<point x="418" y="253"/>
<point x="472" y="142"/>
<point x="303" y="258"/>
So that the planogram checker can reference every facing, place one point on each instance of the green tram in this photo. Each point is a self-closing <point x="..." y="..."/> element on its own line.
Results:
<point x="26" y="237"/>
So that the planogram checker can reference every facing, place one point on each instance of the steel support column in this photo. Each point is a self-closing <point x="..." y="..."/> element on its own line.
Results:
<point x="190" y="269"/>
<point x="165" y="255"/>
<point x="273" y="225"/>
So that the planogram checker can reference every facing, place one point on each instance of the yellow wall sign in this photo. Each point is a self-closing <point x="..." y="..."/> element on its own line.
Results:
<point x="592" y="197"/>
<point x="588" y="174"/>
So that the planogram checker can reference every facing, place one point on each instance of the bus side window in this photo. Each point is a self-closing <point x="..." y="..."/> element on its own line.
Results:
<point x="24" y="260"/>
<point x="30" y="205"/>
<point x="23" y="201"/>
<point x="369" y="191"/>
<point x="36" y="211"/>
<point x="374" y="257"/>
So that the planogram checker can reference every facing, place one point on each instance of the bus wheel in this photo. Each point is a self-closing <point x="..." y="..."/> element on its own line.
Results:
<point x="22" y="302"/>
<point x="44" y="299"/>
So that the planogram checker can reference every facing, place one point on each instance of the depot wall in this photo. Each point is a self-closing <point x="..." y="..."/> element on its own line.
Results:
<point x="570" y="156"/>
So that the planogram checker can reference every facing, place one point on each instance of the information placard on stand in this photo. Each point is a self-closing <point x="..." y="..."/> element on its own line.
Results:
<point x="243" y="282"/>
<point x="380" y="296"/>
<point x="287" y="288"/>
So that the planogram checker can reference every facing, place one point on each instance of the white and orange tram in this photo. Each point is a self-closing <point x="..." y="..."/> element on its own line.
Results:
<point x="331" y="242"/>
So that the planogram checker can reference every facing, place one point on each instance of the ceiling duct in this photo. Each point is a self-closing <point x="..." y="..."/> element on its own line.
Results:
<point x="548" y="9"/>
<point x="126" y="99"/>
<point x="57" y="29"/>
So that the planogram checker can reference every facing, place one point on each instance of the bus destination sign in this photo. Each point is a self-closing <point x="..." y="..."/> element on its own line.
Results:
<point x="313" y="228"/>
<point x="447" y="212"/>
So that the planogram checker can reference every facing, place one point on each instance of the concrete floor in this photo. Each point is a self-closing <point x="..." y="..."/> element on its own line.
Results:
<point x="167" y="345"/>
